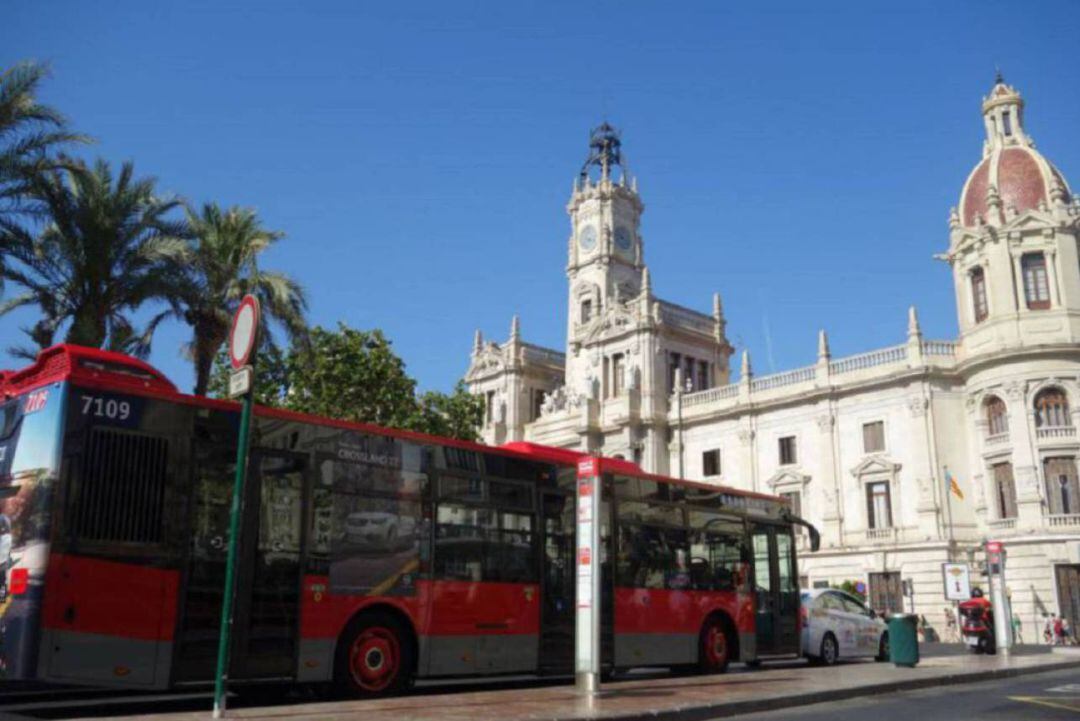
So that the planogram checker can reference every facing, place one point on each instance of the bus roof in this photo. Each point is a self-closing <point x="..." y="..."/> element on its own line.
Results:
<point x="109" y="370"/>
<point x="628" y="468"/>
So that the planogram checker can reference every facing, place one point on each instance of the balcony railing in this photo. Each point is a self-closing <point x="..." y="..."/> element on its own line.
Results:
<point x="880" y="535"/>
<point x="883" y="356"/>
<point x="778" y="380"/>
<point x="1060" y="520"/>
<point x="1055" y="432"/>
<point x="1002" y="524"/>
<point x="997" y="439"/>
<point x="713" y="394"/>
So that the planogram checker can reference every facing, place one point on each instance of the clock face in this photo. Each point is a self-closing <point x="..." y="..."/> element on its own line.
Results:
<point x="622" y="238"/>
<point x="587" y="238"/>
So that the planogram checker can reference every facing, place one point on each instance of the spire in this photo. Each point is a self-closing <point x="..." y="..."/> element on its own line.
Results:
<point x="478" y="342"/>
<point x="515" y="328"/>
<point x="823" y="346"/>
<point x="717" y="307"/>
<point x="744" y="369"/>
<point x="646" y="283"/>
<point x="913" y="329"/>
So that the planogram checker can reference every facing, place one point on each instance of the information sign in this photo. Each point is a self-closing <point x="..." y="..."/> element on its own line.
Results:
<point x="957" y="579"/>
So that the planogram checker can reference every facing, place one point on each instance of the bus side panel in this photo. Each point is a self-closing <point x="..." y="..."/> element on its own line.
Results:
<point x="29" y="457"/>
<point x="108" y="621"/>
<point x="658" y="627"/>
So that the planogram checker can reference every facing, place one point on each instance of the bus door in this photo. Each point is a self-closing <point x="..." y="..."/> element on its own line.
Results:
<point x="264" y="632"/>
<point x="557" y="582"/>
<point x="267" y="615"/>
<point x="776" y="590"/>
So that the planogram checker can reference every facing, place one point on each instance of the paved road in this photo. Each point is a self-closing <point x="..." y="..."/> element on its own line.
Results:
<point x="1050" y="696"/>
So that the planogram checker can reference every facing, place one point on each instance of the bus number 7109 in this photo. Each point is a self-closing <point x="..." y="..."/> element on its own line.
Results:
<point x="106" y="408"/>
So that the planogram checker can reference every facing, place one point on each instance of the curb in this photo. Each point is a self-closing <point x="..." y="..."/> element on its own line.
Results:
<point x="734" y="708"/>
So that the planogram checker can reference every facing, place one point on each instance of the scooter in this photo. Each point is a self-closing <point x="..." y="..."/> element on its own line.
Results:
<point x="977" y="624"/>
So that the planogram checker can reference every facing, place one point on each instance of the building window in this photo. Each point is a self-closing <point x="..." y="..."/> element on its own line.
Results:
<point x="794" y="499"/>
<point x="878" y="505"/>
<point x="618" y="374"/>
<point x="674" y="361"/>
<point x="1006" y="123"/>
<point x="489" y="406"/>
<point x="1005" y="490"/>
<point x="997" y="419"/>
<point x="688" y="374"/>
<point x="702" y="376"/>
<point x="873" y="437"/>
<point x="1036" y="286"/>
<point x="787" y="451"/>
<point x="1062" y="486"/>
<point x="538" y="402"/>
<point x="978" y="294"/>
<point x="710" y="462"/>
<point x="586" y="311"/>
<point x="1052" y="409"/>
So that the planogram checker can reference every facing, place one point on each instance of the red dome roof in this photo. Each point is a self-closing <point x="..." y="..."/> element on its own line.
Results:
<point x="1021" y="177"/>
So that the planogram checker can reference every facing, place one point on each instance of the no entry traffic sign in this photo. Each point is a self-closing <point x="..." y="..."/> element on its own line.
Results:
<point x="245" y="327"/>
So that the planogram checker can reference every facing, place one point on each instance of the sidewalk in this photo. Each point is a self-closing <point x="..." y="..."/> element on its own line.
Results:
<point x="684" y="698"/>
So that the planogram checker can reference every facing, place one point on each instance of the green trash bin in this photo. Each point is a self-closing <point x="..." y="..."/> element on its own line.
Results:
<point x="903" y="639"/>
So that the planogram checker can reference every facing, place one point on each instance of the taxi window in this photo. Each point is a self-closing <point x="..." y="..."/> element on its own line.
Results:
<point x="829" y="602"/>
<point x="853" y="606"/>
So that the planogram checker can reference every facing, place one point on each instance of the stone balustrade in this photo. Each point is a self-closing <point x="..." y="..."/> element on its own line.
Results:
<point x="1055" y="432"/>
<point x="1062" y="520"/>
<point x="1002" y="524"/>
<point x="882" y="356"/>
<point x="996" y="439"/>
<point x="787" y="378"/>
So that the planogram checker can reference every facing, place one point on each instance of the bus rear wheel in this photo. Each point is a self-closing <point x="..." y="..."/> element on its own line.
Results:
<point x="375" y="657"/>
<point x="715" y="646"/>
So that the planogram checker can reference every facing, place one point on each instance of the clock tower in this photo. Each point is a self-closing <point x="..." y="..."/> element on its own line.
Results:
<point x="606" y="259"/>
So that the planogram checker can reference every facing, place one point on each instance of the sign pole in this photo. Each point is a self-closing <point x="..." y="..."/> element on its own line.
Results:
<point x="241" y="354"/>
<point x="588" y="606"/>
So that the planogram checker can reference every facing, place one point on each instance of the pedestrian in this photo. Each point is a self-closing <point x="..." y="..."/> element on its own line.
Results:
<point x="1066" y="632"/>
<point x="1059" y="631"/>
<point x="950" y="625"/>
<point x="1048" y="629"/>
<point x="1018" y="629"/>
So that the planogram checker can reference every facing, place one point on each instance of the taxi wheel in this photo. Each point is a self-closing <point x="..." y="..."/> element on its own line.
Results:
<point x="375" y="657"/>
<point x="830" y="652"/>
<point x="883" y="648"/>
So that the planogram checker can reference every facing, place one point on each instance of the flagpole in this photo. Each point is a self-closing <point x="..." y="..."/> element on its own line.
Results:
<point x="948" y="510"/>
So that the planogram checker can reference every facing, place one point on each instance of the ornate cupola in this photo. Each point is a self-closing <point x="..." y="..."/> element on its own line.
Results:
<point x="1013" y="176"/>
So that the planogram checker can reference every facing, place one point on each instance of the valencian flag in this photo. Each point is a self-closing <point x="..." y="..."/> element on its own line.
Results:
<point x="954" y="486"/>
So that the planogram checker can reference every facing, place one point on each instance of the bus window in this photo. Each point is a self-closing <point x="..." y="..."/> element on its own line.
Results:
<point x="762" y="577"/>
<point x="716" y="560"/>
<point x="789" y="581"/>
<point x="460" y="535"/>
<point x="653" y="557"/>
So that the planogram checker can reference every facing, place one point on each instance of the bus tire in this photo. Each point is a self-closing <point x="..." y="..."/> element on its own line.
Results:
<point x="716" y="644"/>
<point x="376" y="656"/>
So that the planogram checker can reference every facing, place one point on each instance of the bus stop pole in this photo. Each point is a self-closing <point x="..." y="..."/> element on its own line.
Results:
<point x="230" y="563"/>
<point x="587" y="601"/>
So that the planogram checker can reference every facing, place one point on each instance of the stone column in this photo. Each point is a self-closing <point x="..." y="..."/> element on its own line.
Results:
<point x="831" y="529"/>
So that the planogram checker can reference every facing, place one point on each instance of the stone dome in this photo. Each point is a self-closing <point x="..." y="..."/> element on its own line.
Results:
<point x="1013" y="176"/>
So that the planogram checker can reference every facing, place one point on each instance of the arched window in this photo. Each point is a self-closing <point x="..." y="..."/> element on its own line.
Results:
<point x="978" y="294"/>
<point x="1052" y="408"/>
<point x="997" y="418"/>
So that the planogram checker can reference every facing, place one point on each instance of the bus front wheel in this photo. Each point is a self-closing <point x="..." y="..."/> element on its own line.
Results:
<point x="375" y="656"/>
<point x="715" y="646"/>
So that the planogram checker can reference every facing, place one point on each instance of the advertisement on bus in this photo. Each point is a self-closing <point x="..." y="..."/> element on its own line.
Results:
<point x="29" y="441"/>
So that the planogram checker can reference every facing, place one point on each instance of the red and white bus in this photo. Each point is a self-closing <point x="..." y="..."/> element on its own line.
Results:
<point x="368" y="557"/>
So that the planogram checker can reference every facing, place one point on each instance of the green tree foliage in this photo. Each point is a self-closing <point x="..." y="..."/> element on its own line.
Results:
<point x="456" y="415"/>
<point x="219" y="268"/>
<point x="271" y="376"/>
<point x="354" y="375"/>
<point x="29" y="133"/>
<point x="104" y="247"/>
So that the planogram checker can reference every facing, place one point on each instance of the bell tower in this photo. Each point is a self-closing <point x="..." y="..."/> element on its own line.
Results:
<point x="605" y="254"/>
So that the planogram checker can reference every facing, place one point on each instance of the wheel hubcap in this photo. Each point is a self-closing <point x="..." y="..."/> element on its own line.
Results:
<point x="716" y="646"/>
<point x="375" y="657"/>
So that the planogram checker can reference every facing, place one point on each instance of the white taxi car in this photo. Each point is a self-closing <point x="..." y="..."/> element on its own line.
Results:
<point x="837" y="625"/>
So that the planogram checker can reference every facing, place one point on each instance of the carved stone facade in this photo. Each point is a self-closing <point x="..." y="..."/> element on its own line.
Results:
<point x="865" y="444"/>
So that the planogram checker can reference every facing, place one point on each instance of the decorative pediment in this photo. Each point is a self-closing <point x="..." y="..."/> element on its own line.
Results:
<point x="1032" y="219"/>
<point x="615" y="320"/>
<point x="489" y="360"/>
<point x="876" y="465"/>
<point x="787" y="478"/>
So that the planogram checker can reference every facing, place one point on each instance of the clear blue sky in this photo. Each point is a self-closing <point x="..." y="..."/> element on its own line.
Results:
<point x="801" y="158"/>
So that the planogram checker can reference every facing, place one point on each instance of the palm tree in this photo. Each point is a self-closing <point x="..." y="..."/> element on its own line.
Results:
<point x="102" y="246"/>
<point x="221" y="268"/>
<point x="29" y="132"/>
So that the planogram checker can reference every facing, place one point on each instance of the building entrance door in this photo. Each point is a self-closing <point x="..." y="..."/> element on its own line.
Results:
<point x="1068" y="587"/>
<point x="886" y="592"/>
